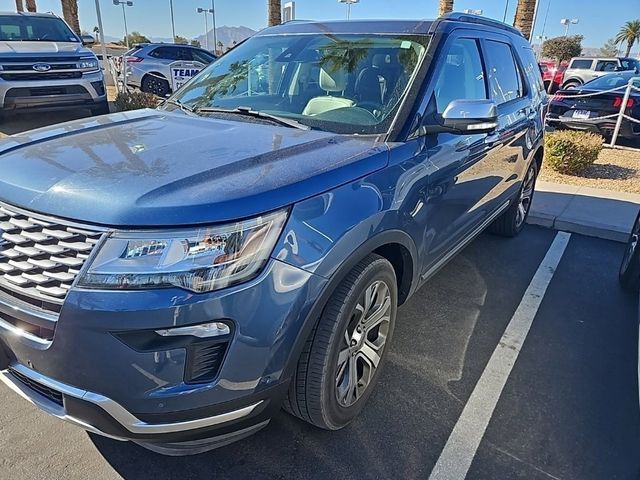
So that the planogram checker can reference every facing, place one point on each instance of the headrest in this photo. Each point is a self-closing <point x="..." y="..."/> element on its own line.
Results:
<point x="333" y="81"/>
<point x="381" y="60"/>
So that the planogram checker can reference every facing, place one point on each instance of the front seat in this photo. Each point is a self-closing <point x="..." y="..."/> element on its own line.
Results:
<point x="330" y="82"/>
<point x="368" y="86"/>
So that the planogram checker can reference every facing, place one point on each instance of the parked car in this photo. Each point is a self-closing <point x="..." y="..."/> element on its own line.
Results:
<point x="44" y="64"/>
<point x="584" y="113"/>
<point x="552" y="73"/>
<point x="148" y="64"/>
<point x="630" y="266"/>
<point x="174" y="277"/>
<point x="583" y="69"/>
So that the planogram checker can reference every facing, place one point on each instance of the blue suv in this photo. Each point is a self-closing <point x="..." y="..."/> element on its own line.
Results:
<point x="175" y="276"/>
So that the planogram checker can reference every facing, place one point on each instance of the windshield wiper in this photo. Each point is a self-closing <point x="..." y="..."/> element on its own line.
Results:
<point x="188" y="110"/>
<point x="248" y="112"/>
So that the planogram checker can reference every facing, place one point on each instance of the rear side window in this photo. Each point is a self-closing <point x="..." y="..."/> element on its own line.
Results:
<point x="462" y="76"/>
<point x="172" y="53"/>
<point x="606" y="66"/>
<point x="505" y="79"/>
<point x="202" y="56"/>
<point x="581" y="64"/>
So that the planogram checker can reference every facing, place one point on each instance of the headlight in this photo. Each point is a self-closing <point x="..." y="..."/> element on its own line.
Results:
<point x="199" y="260"/>
<point x="88" y="64"/>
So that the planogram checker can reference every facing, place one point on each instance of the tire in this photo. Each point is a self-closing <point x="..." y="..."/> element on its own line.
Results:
<point x="512" y="221"/>
<point x="101" y="108"/>
<point x="321" y="392"/>
<point x="630" y="266"/>
<point x="158" y="86"/>
<point x="571" y="85"/>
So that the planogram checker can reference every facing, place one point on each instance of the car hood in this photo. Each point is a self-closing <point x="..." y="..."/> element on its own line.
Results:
<point x="155" y="168"/>
<point x="41" y="48"/>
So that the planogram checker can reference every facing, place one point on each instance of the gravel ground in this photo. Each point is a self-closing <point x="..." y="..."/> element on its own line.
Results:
<point x="617" y="170"/>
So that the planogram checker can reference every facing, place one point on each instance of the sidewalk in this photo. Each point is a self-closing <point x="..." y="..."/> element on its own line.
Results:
<point x="587" y="211"/>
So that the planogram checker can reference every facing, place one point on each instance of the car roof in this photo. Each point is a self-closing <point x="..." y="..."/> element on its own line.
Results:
<point x="29" y="14"/>
<point x="351" y="26"/>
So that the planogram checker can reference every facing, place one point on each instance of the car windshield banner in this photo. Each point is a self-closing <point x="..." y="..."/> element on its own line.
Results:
<point x="182" y="72"/>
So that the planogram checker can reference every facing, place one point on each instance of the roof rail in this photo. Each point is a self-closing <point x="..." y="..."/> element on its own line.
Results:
<point x="469" y="18"/>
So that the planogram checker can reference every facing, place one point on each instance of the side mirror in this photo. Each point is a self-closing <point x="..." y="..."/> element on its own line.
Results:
<point x="471" y="116"/>
<point x="87" y="40"/>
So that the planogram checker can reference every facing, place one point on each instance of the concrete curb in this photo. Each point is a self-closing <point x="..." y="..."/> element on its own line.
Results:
<point x="587" y="211"/>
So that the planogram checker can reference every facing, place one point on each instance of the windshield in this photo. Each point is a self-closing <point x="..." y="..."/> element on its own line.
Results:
<point x="630" y="64"/>
<point x="613" y="80"/>
<point x="350" y="84"/>
<point x="27" y="28"/>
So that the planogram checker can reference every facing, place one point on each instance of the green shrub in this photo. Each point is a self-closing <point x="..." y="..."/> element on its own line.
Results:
<point x="135" y="100"/>
<point x="571" y="152"/>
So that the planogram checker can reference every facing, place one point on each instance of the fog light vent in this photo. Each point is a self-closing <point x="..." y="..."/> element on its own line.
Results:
<point x="204" y="361"/>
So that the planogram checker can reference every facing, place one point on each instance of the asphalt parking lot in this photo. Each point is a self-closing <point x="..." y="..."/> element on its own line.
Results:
<point x="569" y="408"/>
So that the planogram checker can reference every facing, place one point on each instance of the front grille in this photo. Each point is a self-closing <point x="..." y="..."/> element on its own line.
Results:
<point x="22" y="68"/>
<point x="40" y="259"/>
<point x="46" y="91"/>
<point x="35" y="76"/>
<point x="48" y="393"/>
<point x="204" y="361"/>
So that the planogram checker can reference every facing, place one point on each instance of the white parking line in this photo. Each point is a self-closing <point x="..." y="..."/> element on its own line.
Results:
<point x="460" y="449"/>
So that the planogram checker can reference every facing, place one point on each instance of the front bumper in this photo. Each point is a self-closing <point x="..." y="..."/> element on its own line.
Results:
<point x="88" y="90"/>
<point x="91" y="375"/>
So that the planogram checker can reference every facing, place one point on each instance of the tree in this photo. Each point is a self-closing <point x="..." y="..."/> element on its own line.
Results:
<point x="220" y="46"/>
<point x="19" y="6"/>
<point x="445" y="6"/>
<point x="629" y="33"/>
<point x="275" y="12"/>
<point x="524" y="17"/>
<point x="31" y="6"/>
<point x="196" y="43"/>
<point x="180" y="40"/>
<point x="70" y="14"/>
<point x="562" y="48"/>
<point x="135" y="37"/>
<point x="609" y="49"/>
<point x="96" y="30"/>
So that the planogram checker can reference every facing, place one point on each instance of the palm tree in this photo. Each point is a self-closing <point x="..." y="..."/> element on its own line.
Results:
<point x="19" y="6"/>
<point x="70" y="14"/>
<point x="524" y="17"/>
<point x="445" y="6"/>
<point x="31" y="6"/>
<point x="275" y="12"/>
<point x="630" y="33"/>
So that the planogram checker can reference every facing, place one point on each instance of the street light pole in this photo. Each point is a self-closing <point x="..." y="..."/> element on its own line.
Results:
<point x="173" y="23"/>
<point x="349" y="3"/>
<point x="206" y="11"/>
<point x="213" y="15"/>
<point x="504" y="17"/>
<point x="124" y="3"/>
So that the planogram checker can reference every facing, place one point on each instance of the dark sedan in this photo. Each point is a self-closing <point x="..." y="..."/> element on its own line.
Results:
<point x="569" y="110"/>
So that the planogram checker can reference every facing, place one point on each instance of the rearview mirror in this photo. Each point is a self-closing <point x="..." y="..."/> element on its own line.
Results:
<point x="471" y="116"/>
<point x="87" y="40"/>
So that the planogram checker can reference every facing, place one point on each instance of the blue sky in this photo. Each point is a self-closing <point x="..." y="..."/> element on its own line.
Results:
<point x="598" y="19"/>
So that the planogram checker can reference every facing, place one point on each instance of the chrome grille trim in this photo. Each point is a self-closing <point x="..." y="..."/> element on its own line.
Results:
<point x="40" y="257"/>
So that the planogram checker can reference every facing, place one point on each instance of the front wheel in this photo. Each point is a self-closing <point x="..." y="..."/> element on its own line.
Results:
<point x="343" y="356"/>
<point x="630" y="267"/>
<point x="101" y="108"/>
<point x="153" y="83"/>
<point x="512" y="221"/>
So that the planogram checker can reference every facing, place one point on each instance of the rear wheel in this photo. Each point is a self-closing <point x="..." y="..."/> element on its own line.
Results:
<point x="343" y="356"/>
<point x="571" y="85"/>
<point x="152" y="83"/>
<point x="630" y="267"/>
<point x="512" y="221"/>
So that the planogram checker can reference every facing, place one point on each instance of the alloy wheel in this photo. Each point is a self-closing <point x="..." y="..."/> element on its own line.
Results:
<point x="363" y="343"/>
<point x="526" y="196"/>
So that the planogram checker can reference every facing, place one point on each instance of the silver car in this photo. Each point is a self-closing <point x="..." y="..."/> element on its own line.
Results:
<point x="148" y="64"/>
<point x="584" y="69"/>
<point x="44" y="64"/>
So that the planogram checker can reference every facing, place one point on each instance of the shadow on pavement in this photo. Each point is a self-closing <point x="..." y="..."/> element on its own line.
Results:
<point x="14" y="123"/>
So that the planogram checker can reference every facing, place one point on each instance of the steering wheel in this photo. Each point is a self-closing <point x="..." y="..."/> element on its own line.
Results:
<point x="375" y="108"/>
